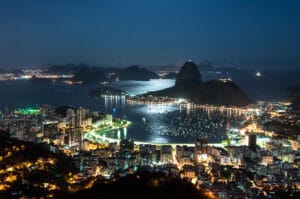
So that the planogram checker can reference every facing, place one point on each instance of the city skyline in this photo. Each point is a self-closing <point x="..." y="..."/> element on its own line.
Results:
<point x="150" y="99"/>
<point x="256" y="34"/>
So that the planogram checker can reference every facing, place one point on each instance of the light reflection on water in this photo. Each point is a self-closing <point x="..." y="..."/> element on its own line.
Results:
<point x="141" y="87"/>
<point x="154" y="109"/>
<point x="149" y="123"/>
<point x="125" y="132"/>
<point x="167" y="123"/>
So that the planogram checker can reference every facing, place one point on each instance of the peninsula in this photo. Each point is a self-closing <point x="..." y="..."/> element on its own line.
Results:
<point x="189" y="85"/>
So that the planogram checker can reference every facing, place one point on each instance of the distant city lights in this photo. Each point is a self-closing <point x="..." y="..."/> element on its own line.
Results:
<point x="258" y="74"/>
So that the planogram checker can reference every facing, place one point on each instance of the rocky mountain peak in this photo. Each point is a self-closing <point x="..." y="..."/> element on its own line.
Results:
<point x="188" y="75"/>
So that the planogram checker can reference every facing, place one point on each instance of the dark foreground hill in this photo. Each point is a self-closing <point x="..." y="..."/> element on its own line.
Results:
<point x="142" y="185"/>
<point x="26" y="167"/>
<point x="30" y="170"/>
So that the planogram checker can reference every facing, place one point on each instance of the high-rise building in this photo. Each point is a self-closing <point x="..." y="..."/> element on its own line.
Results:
<point x="201" y="150"/>
<point x="75" y="136"/>
<point x="201" y="145"/>
<point x="166" y="154"/>
<point x="71" y="118"/>
<point x="108" y="118"/>
<point x="49" y="128"/>
<point x="252" y="141"/>
<point x="80" y="116"/>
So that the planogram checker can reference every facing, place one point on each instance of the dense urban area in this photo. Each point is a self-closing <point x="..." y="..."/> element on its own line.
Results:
<point x="260" y="158"/>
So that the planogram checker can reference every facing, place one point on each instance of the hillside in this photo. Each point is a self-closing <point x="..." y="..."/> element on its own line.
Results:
<point x="216" y="92"/>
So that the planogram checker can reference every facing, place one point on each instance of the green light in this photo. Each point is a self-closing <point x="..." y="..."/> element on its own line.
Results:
<point x="28" y="111"/>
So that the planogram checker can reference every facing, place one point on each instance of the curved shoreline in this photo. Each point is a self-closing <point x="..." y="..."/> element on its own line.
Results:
<point x="95" y="137"/>
<point x="106" y="130"/>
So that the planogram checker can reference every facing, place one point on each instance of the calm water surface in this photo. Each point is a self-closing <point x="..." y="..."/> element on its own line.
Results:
<point x="159" y="124"/>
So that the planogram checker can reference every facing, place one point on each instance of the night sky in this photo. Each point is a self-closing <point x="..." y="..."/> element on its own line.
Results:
<point x="244" y="33"/>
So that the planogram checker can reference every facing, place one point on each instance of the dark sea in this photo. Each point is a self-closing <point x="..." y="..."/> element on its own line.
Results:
<point x="149" y="123"/>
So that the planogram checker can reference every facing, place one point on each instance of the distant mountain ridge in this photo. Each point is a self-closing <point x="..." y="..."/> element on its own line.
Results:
<point x="136" y="73"/>
<point x="88" y="74"/>
<point x="92" y="74"/>
<point x="206" y="66"/>
<point x="189" y="85"/>
<point x="66" y="69"/>
<point x="171" y="75"/>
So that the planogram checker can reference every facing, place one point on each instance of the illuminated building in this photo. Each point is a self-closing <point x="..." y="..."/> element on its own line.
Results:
<point x="298" y="138"/>
<point x="261" y="141"/>
<point x="81" y="116"/>
<point x="87" y="122"/>
<point x="201" y="150"/>
<point x="287" y="157"/>
<point x="84" y="145"/>
<point x="71" y="118"/>
<point x="185" y="155"/>
<point x="201" y="145"/>
<point x="108" y="118"/>
<point x="148" y="153"/>
<point x="188" y="172"/>
<point x="267" y="159"/>
<point x="61" y="125"/>
<point x="49" y="128"/>
<point x="75" y="137"/>
<point x="166" y="154"/>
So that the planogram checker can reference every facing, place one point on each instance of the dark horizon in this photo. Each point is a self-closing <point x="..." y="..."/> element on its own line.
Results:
<point x="255" y="34"/>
